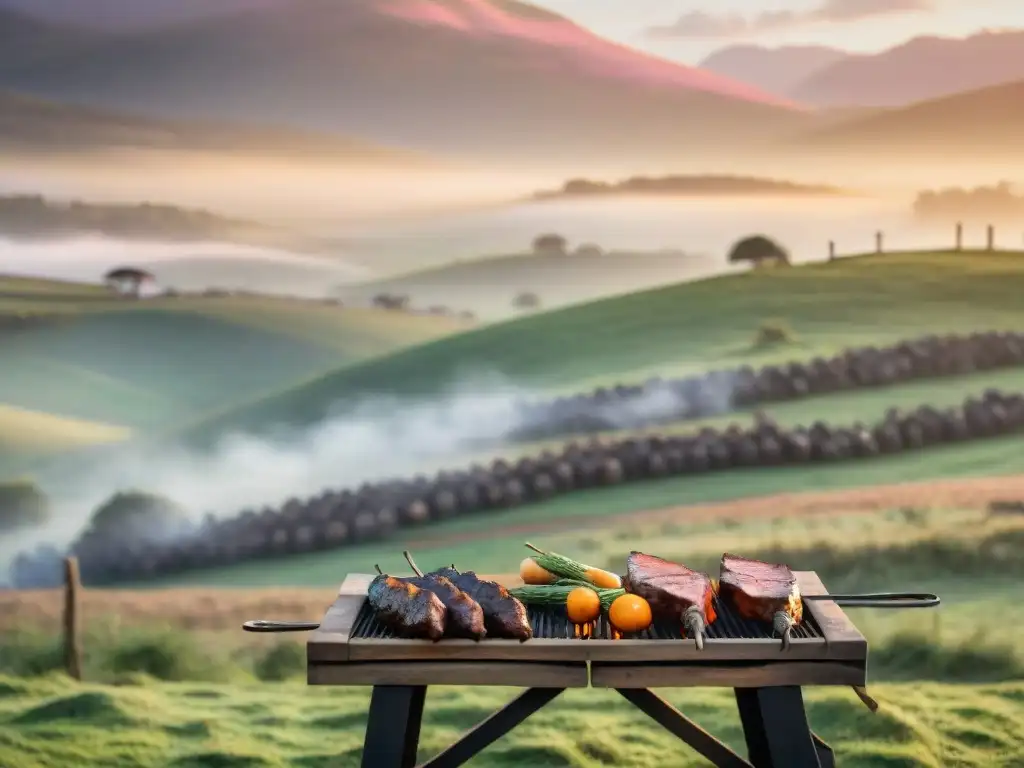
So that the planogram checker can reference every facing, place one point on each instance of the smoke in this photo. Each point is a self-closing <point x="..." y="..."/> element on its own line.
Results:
<point x="376" y="438"/>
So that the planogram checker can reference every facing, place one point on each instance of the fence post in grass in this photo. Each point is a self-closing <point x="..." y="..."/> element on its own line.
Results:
<point x="72" y="641"/>
<point x="831" y="250"/>
<point x="878" y="241"/>
<point x="990" y="238"/>
<point x="959" y="236"/>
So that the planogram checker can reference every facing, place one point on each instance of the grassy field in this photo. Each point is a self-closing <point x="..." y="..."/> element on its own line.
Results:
<point x="684" y="328"/>
<point x="53" y="722"/>
<point x="487" y="286"/>
<point x="145" y="364"/>
<point x="174" y="683"/>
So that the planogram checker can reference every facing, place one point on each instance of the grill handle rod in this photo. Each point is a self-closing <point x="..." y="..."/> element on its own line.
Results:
<point x="280" y="626"/>
<point x="881" y="600"/>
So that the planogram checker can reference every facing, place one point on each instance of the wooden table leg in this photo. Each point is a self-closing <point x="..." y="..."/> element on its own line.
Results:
<point x="393" y="728"/>
<point x="776" y="728"/>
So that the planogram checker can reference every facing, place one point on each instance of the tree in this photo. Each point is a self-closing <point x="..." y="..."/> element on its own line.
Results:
<point x="758" y="250"/>
<point x="550" y="245"/>
<point x="589" y="250"/>
<point x="22" y="505"/>
<point x="526" y="300"/>
<point x="128" y="281"/>
<point x="138" y="516"/>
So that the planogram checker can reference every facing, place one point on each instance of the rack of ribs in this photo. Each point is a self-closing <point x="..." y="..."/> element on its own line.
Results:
<point x="762" y="591"/>
<point x="673" y="591"/>
<point x="504" y="615"/>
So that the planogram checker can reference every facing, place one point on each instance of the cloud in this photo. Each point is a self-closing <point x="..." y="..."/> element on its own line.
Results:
<point x="703" y="25"/>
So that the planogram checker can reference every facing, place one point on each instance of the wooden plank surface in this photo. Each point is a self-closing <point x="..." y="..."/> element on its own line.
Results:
<point x="330" y="641"/>
<point x="515" y="674"/>
<point x="752" y="675"/>
<point x="844" y="640"/>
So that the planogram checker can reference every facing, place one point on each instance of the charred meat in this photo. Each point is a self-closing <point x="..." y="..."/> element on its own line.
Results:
<point x="465" y="617"/>
<point x="763" y="592"/>
<point x="407" y="609"/>
<point x="673" y="591"/>
<point x="504" y="615"/>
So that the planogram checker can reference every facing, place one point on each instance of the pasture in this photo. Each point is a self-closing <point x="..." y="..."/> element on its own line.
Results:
<point x="680" y="329"/>
<point x="76" y="353"/>
<point x="172" y="680"/>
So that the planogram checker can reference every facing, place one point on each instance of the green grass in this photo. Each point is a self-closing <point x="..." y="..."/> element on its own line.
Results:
<point x="591" y="510"/>
<point x="685" y="328"/>
<point x="54" y="722"/>
<point x="147" y="364"/>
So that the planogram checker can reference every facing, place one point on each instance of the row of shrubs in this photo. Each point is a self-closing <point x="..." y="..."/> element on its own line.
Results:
<point x="659" y="401"/>
<point x="332" y="519"/>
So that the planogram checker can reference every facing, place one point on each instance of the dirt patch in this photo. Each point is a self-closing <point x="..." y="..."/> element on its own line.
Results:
<point x="212" y="609"/>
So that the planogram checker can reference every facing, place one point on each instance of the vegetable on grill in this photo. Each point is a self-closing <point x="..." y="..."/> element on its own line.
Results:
<point x="583" y="605"/>
<point x="630" y="613"/>
<point x="531" y="573"/>
<point x="560" y="565"/>
<point x="557" y="594"/>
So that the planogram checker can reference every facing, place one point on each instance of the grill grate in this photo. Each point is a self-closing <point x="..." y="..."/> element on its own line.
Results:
<point x="553" y="624"/>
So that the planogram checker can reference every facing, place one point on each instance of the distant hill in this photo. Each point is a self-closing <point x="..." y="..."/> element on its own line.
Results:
<point x="984" y="123"/>
<point x="476" y="77"/>
<point x="684" y="185"/>
<point x="777" y="70"/>
<point x="923" y="68"/>
<point x="30" y="124"/>
<point x="488" y="286"/>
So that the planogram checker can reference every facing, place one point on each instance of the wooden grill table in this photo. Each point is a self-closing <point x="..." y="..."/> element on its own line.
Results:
<point x="351" y="648"/>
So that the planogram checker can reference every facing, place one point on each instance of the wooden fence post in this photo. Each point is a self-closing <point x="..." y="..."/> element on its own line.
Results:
<point x="72" y="641"/>
<point x="990" y="238"/>
<point x="959" y="236"/>
<point x="878" y="241"/>
<point x="831" y="250"/>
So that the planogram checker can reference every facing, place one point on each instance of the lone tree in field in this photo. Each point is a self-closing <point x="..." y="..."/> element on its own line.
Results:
<point x="526" y="300"/>
<point x="22" y="505"/>
<point x="128" y="281"/>
<point x="138" y="516"/>
<point x="758" y="251"/>
<point x="550" y="245"/>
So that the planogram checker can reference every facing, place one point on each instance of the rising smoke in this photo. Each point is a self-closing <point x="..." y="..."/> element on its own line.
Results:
<point x="379" y="437"/>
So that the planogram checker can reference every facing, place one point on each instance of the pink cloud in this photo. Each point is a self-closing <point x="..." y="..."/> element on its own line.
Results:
<point x="582" y="50"/>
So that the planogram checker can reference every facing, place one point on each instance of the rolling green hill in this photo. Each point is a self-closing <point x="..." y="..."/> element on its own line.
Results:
<point x="686" y="327"/>
<point x="488" y="286"/>
<point x="77" y="352"/>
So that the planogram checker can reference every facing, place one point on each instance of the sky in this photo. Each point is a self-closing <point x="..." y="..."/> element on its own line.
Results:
<point x="688" y="30"/>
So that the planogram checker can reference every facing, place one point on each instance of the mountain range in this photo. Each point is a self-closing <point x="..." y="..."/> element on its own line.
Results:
<point x="921" y="69"/>
<point x="477" y="77"/>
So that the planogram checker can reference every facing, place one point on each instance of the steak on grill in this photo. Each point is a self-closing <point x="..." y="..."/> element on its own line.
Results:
<point x="504" y="615"/>
<point x="465" y="617"/>
<point x="674" y="591"/>
<point x="763" y="592"/>
<point x="405" y="608"/>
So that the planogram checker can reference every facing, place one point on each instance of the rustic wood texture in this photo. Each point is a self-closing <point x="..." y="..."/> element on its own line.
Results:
<point x="332" y="642"/>
<point x="758" y="674"/>
<point x="517" y="675"/>
<point x="72" y="638"/>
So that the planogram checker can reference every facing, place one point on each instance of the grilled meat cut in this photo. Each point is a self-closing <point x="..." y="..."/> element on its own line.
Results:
<point x="763" y="592"/>
<point x="406" y="608"/>
<point x="465" y="617"/>
<point x="673" y="591"/>
<point x="504" y="615"/>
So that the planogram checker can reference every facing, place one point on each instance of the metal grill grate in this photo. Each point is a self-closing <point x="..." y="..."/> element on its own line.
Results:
<point x="553" y="624"/>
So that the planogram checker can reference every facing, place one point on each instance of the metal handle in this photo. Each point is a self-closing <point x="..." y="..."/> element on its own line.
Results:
<point x="881" y="600"/>
<point x="280" y="626"/>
